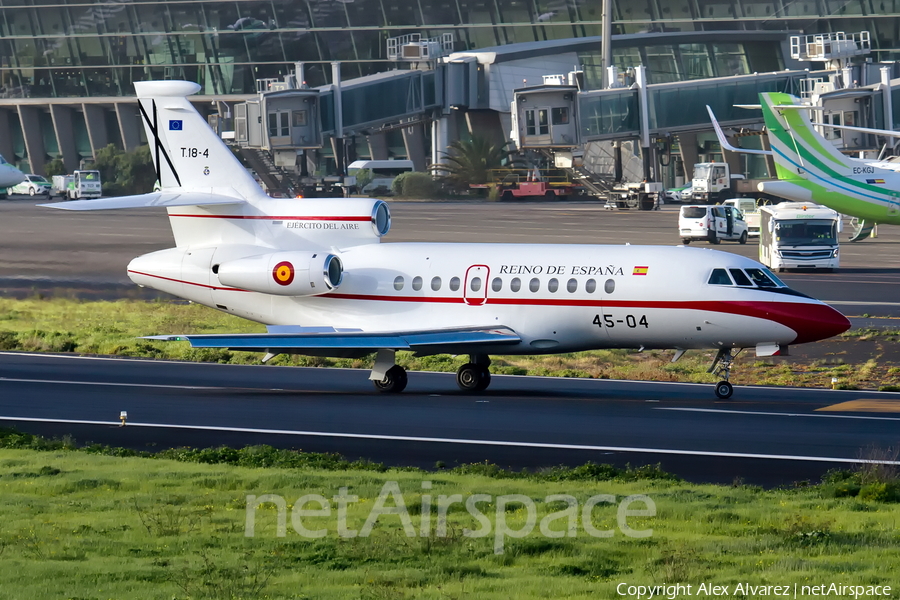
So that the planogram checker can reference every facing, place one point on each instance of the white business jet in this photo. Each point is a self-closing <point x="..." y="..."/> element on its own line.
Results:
<point x="9" y="176"/>
<point x="314" y="271"/>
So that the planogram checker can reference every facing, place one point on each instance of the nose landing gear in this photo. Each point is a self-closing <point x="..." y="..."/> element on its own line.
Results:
<point x="721" y="366"/>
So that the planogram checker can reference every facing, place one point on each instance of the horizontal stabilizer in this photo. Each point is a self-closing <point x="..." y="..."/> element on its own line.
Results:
<point x="883" y="132"/>
<point x="162" y="199"/>
<point x="320" y="339"/>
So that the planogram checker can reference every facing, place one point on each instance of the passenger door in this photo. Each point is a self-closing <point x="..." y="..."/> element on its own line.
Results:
<point x="475" y="286"/>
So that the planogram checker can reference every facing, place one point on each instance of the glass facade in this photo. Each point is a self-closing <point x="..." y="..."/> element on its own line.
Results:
<point x="79" y="48"/>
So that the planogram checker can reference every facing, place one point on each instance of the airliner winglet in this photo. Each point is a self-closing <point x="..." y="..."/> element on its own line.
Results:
<point x="723" y="141"/>
<point x="316" y="273"/>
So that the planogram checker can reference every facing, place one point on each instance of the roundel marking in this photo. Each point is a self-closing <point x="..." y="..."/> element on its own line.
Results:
<point x="283" y="273"/>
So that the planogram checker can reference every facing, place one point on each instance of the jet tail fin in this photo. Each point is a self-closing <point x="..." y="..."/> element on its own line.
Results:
<point x="798" y="147"/>
<point x="187" y="153"/>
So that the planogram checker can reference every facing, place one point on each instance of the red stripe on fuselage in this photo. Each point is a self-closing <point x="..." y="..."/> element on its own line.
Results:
<point x="811" y="321"/>
<point x="203" y="285"/>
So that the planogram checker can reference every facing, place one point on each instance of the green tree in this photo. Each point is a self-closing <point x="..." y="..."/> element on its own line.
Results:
<point x="125" y="173"/>
<point x="137" y="174"/>
<point x="106" y="160"/>
<point x="413" y="184"/>
<point x="471" y="161"/>
<point x="55" y="167"/>
<point x="363" y="178"/>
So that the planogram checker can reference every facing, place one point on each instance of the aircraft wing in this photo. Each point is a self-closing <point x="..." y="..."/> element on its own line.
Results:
<point x="159" y="199"/>
<point x="300" y="340"/>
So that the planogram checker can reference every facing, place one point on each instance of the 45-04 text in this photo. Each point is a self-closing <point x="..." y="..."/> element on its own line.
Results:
<point x="631" y="321"/>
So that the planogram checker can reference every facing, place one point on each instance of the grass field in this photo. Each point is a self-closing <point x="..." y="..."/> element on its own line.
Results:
<point x="861" y="359"/>
<point x="86" y="525"/>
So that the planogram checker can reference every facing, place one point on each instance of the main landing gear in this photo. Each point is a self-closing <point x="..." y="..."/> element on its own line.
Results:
<point x="474" y="376"/>
<point x="386" y="375"/>
<point x="721" y="365"/>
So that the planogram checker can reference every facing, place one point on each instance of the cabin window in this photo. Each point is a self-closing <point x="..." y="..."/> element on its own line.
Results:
<point x="417" y="283"/>
<point x="516" y="284"/>
<point x="398" y="283"/>
<point x="572" y="286"/>
<point x="719" y="277"/>
<point x="497" y="284"/>
<point x="436" y="283"/>
<point x="590" y="286"/>
<point x="475" y="284"/>
<point x="534" y="285"/>
<point x="609" y="286"/>
<point x="454" y="284"/>
<point x="740" y="278"/>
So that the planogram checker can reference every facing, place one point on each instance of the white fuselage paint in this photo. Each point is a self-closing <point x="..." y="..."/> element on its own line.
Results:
<point x="671" y="306"/>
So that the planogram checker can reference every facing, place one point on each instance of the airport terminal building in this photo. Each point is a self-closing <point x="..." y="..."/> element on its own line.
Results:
<point x="67" y="68"/>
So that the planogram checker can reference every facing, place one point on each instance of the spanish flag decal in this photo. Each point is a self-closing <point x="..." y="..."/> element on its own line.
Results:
<point x="875" y="181"/>
<point x="640" y="271"/>
<point x="283" y="273"/>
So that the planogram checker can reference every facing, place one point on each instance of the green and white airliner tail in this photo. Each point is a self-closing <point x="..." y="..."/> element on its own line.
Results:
<point x="811" y="169"/>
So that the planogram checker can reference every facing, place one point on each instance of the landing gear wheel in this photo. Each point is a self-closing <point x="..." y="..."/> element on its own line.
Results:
<point x="743" y="239"/>
<point x="394" y="380"/>
<point x="473" y="378"/>
<point x="724" y="390"/>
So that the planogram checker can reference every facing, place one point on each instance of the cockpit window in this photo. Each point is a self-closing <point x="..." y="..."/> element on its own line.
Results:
<point x="740" y="278"/>
<point x="774" y="278"/>
<point x="760" y="278"/>
<point x="720" y="277"/>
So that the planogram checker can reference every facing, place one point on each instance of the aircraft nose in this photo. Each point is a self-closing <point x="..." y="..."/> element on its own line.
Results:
<point x="814" y="322"/>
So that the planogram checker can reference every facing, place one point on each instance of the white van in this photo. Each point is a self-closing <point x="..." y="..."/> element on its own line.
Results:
<point x="712" y="224"/>
<point x="383" y="173"/>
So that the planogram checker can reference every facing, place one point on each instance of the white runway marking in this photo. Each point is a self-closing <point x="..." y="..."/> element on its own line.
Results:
<point x="778" y="414"/>
<point x="404" y="438"/>
<point x="141" y="385"/>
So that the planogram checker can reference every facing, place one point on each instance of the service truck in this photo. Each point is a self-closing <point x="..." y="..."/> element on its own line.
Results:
<point x="750" y="210"/>
<point x="77" y="186"/>
<point x="799" y="235"/>
<point x="714" y="182"/>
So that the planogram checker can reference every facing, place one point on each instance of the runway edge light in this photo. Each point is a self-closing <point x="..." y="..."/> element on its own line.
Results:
<point x="123" y="416"/>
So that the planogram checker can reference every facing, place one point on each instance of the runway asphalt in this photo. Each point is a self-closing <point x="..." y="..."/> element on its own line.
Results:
<point x="767" y="436"/>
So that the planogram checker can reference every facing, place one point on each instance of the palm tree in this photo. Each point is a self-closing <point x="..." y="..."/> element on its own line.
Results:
<point x="471" y="161"/>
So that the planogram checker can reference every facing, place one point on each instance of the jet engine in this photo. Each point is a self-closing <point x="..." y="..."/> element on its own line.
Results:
<point x="284" y="273"/>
